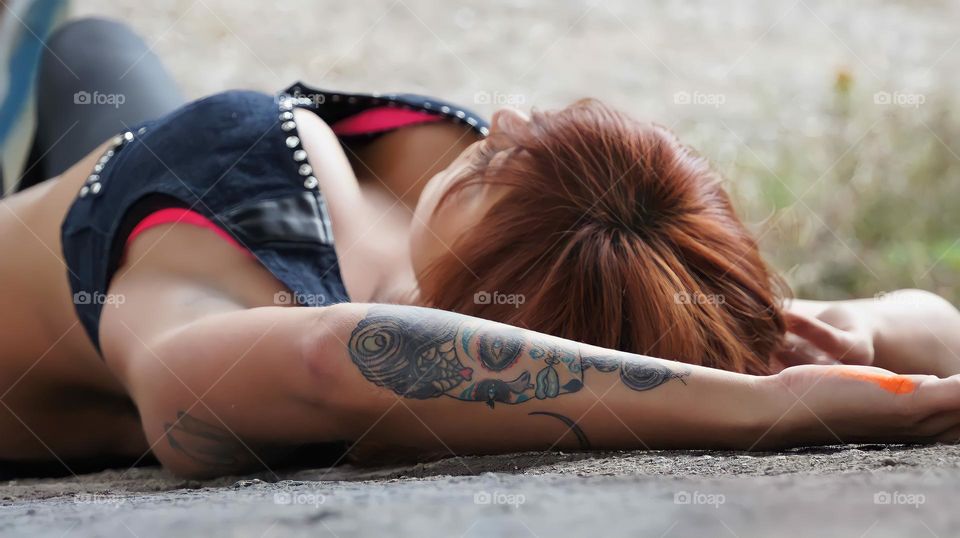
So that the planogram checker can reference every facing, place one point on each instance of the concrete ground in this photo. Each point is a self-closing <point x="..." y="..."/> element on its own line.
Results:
<point x="773" y="64"/>
<point x="855" y="491"/>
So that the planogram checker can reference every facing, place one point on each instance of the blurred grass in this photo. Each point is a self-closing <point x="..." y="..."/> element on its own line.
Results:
<point x="867" y="207"/>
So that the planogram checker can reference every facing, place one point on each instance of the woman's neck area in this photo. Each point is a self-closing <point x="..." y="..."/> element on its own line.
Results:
<point x="381" y="166"/>
<point x="392" y="171"/>
<point x="380" y="267"/>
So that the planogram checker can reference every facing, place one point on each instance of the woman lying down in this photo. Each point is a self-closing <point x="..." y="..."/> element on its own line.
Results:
<point x="229" y="280"/>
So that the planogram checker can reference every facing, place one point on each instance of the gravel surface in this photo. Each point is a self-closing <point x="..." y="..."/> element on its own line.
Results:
<point x="864" y="490"/>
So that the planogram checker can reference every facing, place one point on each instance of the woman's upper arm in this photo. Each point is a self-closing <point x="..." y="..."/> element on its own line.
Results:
<point x="326" y="156"/>
<point x="176" y="274"/>
<point x="173" y="276"/>
<point x="228" y="391"/>
<point x="217" y="378"/>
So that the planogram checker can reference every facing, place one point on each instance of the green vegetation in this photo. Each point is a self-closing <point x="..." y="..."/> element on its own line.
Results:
<point x="864" y="204"/>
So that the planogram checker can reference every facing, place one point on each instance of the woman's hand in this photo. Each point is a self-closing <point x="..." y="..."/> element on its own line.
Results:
<point x="837" y="335"/>
<point x="908" y="332"/>
<point x="847" y="404"/>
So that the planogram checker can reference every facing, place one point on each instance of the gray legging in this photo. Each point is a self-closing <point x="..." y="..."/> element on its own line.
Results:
<point x="96" y="77"/>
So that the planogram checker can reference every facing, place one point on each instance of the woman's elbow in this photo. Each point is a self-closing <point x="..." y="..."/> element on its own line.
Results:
<point x="207" y="412"/>
<point x="168" y="412"/>
<point x="333" y="382"/>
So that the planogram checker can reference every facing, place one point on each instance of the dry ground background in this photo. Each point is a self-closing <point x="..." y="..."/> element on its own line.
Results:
<point x="836" y="127"/>
<point x="850" y="196"/>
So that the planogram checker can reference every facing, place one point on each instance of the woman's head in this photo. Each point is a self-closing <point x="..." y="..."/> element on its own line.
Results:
<point x="586" y="224"/>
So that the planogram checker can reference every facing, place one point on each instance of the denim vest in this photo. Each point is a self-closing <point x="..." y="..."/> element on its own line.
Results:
<point x="235" y="158"/>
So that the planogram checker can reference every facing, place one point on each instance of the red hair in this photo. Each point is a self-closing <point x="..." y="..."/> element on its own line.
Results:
<point x="614" y="234"/>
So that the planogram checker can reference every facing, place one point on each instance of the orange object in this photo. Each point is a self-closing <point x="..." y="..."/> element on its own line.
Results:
<point x="897" y="384"/>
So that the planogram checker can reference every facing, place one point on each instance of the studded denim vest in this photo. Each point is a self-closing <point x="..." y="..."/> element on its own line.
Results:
<point x="235" y="158"/>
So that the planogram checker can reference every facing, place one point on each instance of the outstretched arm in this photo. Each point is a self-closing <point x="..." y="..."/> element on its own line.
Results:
<point x="907" y="331"/>
<point x="417" y="380"/>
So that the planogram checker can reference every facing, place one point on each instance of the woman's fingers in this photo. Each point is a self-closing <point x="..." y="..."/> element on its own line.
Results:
<point x="824" y="336"/>
<point x="935" y="395"/>
<point x="797" y="350"/>
<point x="932" y="412"/>
<point x="846" y="346"/>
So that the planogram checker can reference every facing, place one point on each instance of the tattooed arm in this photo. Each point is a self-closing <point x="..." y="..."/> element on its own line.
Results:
<point x="524" y="390"/>
<point x="415" y="381"/>
<point x="423" y="354"/>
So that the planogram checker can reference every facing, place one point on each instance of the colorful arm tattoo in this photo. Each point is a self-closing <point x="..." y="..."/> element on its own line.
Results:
<point x="421" y="353"/>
